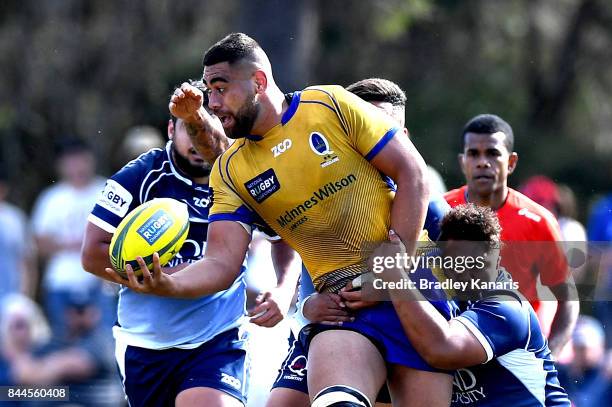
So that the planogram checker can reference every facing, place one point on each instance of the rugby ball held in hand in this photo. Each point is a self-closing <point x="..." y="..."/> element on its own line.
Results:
<point x="160" y="225"/>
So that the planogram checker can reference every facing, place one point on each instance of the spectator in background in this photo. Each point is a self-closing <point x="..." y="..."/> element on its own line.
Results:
<point x="561" y="202"/>
<point x="22" y="329"/>
<point x="573" y="233"/>
<point x="82" y="359"/>
<point x="138" y="140"/>
<point x="16" y="248"/>
<point x="58" y="221"/>
<point x="585" y="378"/>
<point x="599" y="231"/>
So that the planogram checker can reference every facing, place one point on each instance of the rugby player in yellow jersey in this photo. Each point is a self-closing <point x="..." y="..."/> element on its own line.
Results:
<point x="311" y="169"/>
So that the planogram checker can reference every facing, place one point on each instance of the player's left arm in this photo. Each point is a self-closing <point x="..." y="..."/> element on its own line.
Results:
<point x="443" y="344"/>
<point x="555" y="273"/>
<point x="401" y="161"/>
<point x="568" y="308"/>
<point x="386" y="147"/>
<point x="272" y="306"/>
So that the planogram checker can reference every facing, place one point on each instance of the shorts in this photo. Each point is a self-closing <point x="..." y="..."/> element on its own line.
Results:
<point x="155" y="377"/>
<point x="381" y="325"/>
<point x="292" y="374"/>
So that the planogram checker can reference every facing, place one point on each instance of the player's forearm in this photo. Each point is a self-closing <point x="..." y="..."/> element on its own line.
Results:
<point x="285" y="261"/>
<point x="563" y="325"/>
<point x="410" y="203"/>
<point x="204" y="277"/>
<point x="95" y="259"/>
<point x="423" y="324"/>
<point x="209" y="140"/>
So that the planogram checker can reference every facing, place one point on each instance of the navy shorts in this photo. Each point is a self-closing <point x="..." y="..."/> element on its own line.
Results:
<point x="156" y="377"/>
<point x="292" y="374"/>
<point x="382" y="326"/>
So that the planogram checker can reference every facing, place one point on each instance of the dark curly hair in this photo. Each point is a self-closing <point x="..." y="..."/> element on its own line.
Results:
<point x="472" y="223"/>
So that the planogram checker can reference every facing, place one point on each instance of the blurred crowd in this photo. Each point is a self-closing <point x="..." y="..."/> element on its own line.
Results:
<point x="55" y="319"/>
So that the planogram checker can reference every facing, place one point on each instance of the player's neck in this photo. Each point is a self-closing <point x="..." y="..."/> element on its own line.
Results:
<point x="494" y="200"/>
<point x="200" y="180"/>
<point x="273" y="106"/>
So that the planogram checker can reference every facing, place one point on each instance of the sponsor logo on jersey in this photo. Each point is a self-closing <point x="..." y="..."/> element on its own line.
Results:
<point x="326" y="191"/>
<point x="530" y="215"/>
<point x="466" y="389"/>
<point x="281" y="147"/>
<point x="263" y="185"/>
<point x="115" y="198"/>
<point x="320" y="146"/>
<point x="155" y="226"/>
<point x="298" y="365"/>
<point x="231" y="381"/>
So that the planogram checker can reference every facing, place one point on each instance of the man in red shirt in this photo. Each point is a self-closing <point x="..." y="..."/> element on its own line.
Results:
<point x="486" y="161"/>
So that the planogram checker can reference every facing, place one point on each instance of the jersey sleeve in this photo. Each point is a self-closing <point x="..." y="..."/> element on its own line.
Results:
<point x="368" y="128"/>
<point x="121" y="194"/>
<point x="552" y="263"/>
<point x="499" y="325"/>
<point x="226" y="203"/>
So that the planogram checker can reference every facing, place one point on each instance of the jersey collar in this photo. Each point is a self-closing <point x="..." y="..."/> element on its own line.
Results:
<point x="293" y="105"/>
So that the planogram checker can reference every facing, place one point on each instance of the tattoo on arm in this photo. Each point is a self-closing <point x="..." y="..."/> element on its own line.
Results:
<point x="207" y="140"/>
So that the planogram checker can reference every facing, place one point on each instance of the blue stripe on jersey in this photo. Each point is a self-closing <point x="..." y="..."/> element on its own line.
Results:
<point x="381" y="143"/>
<point x="156" y="322"/>
<point x="295" y="102"/>
<point x="242" y="214"/>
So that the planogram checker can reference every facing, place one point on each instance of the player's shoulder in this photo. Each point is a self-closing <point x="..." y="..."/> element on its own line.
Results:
<point x="455" y="197"/>
<point x="147" y="161"/>
<point x="322" y="92"/>
<point x="529" y="209"/>
<point x="505" y="306"/>
<point x="230" y="160"/>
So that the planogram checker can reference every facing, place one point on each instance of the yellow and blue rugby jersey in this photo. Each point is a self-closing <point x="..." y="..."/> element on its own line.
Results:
<point x="309" y="179"/>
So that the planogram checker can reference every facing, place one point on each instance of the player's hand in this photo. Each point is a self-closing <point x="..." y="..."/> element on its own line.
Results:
<point x="270" y="307"/>
<point x="353" y="299"/>
<point x="326" y="308"/>
<point x="186" y="102"/>
<point x="155" y="282"/>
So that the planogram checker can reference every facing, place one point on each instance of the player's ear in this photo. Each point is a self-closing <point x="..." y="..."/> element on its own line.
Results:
<point x="170" y="129"/>
<point x="512" y="161"/>
<point x="261" y="82"/>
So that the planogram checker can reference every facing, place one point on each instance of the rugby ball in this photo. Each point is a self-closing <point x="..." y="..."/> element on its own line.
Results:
<point x="160" y="225"/>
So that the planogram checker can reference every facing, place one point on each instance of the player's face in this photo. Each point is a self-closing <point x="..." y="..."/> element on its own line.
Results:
<point x="232" y="97"/>
<point x="472" y="261"/>
<point x="184" y="154"/>
<point x="486" y="162"/>
<point x="77" y="168"/>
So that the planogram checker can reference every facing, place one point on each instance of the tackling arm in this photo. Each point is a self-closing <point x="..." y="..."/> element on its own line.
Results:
<point x="443" y="344"/>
